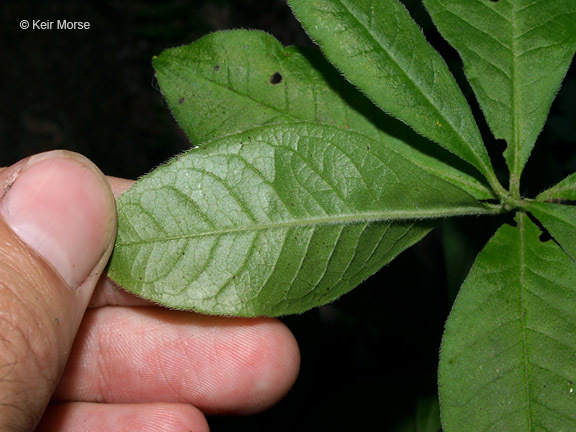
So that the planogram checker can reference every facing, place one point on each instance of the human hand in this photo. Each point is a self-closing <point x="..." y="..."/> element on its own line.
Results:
<point x="124" y="364"/>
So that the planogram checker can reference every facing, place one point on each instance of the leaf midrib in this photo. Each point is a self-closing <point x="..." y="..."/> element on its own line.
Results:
<point x="356" y="218"/>
<point x="523" y="318"/>
<point x="515" y="177"/>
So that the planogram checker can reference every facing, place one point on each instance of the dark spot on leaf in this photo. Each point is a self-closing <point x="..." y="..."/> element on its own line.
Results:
<point x="276" y="78"/>
<point x="368" y="148"/>
<point x="216" y="68"/>
<point x="181" y="101"/>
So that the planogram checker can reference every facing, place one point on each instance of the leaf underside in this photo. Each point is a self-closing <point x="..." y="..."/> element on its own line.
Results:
<point x="275" y="220"/>
<point x="507" y="361"/>
<point x="300" y="188"/>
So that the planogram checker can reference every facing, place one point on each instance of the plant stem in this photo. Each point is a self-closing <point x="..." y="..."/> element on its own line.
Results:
<point x="514" y="185"/>
<point x="502" y="194"/>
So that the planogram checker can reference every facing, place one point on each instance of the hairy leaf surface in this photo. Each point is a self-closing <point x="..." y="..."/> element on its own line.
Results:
<point x="515" y="54"/>
<point x="381" y="50"/>
<point x="232" y="81"/>
<point x="274" y="221"/>
<point x="507" y="358"/>
<point x="565" y="190"/>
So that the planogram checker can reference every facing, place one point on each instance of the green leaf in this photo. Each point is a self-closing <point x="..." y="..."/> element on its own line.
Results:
<point x="515" y="54"/>
<point x="226" y="82"/>
<point x="560" y="221"/>
<point x="381" y="50"/>
<point x="275" y="220"/>
<point x="565" y="190"/>
<point x="507" y="360"/>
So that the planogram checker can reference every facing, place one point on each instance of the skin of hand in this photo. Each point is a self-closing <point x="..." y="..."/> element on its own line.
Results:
<point x="79" y="354"/>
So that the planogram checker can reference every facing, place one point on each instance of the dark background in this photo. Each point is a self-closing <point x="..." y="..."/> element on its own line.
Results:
<point x="368" y="358"/>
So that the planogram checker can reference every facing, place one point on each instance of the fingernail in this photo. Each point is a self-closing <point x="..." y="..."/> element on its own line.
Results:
<point x="60" y="204"/>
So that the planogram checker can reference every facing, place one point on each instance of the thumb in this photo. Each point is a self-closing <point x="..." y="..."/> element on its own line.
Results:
<point x="57" y="227"/>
